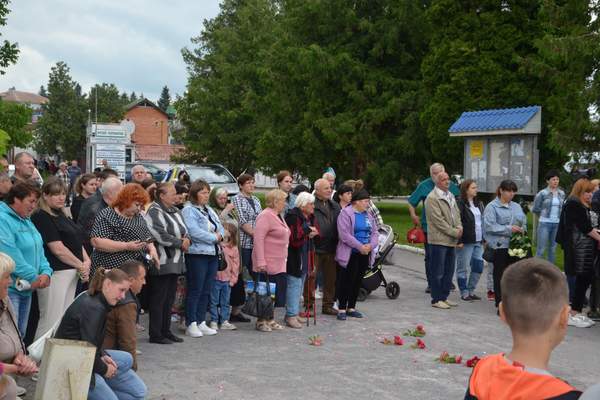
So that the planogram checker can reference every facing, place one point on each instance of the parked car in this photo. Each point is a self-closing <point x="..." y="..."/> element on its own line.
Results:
<point x="157" y="173"/>
<point x="216" y="175"/>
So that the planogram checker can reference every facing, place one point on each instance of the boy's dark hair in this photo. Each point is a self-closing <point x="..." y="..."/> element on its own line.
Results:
<point x="534" y="291"/>
<point x="106" y="173"/>
<point x="132" y="268"/>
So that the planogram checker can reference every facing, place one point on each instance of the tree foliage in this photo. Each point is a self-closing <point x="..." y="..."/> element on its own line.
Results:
<point x="14" y="119"/>
<point x="165" y="99"/>
<point x="109" y="103"/>
<point x="61" y="129"/>
<point x="9" y="52"/>
<point x="372" y="86"/>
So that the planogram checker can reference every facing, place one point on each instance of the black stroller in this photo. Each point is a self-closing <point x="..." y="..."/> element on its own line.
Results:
<point x="374" y="276"/>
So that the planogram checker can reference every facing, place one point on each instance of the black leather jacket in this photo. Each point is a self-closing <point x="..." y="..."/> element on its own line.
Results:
<point x="579" y="247"/>
<point x="326" y="214"/>
<point x="85" y="319"/>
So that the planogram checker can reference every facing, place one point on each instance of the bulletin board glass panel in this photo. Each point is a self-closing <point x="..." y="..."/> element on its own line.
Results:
<point x="498" y="162"/>
<point x="476" y="161"/>
<point x="521" y="163"/>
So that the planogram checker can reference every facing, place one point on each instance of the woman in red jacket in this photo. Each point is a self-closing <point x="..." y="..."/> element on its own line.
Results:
<point x="269" y="255"/>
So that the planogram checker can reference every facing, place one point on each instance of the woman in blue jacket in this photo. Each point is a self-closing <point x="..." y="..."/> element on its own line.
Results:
<point x="501" y="218"/>
<point x="547" y="206"/>
<point x="23" y="243"/>
<point x="201" y="261"/>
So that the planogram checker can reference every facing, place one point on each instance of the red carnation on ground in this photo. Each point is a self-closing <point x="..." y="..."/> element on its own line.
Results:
<point x="446" y="358"/>
<point x="472" y="362"/>
<point x="419" y="344"/>
<point x="398" y="341"/>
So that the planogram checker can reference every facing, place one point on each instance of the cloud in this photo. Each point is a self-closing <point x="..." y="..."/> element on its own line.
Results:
<point x="134" y="44"/>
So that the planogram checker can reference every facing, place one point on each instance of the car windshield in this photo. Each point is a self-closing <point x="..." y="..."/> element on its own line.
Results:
<point x="212" y="174"/>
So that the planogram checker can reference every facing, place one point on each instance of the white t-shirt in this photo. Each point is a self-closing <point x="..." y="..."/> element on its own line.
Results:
<point x="477" y="214"/>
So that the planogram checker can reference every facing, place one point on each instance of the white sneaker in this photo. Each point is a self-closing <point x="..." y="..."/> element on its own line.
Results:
<point x="335" y="306"/>
<point x="578" y="322"/>
<point x="213" y="325"/>
<point x="318" y="294"/>
<point x="451" y="303"/>
<point x="228" y="326"/>
<point x="206" y="331"/>
<point x="21" y="391"/>
<point x="441" y="305"/>
<point x="586" y="319"/>
<point x="193" y="330"/>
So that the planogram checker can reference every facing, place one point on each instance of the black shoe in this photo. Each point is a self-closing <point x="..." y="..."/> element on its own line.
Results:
<point x="475" y="297"/>
<point x="173" y="338"/>
<point x="160" y="340"/>
<point x="428" y="290"/>
<point x="239" y="318"/>
<point x="466" y="298"/>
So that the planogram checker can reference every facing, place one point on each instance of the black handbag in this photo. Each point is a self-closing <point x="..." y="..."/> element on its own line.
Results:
<point x="222" y="262"/>
<point x="488" y="253"/>
<point x="259" y="305"/>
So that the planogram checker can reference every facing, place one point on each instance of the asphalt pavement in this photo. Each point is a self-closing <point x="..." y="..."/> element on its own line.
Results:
<point x="352" y="363"/>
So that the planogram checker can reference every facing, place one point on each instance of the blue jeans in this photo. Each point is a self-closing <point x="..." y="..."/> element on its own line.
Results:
<point x="125" y="385"/>
<point x="293" y="292"/>
<point x="546" y="239"/>
<point x="219" y="301"/>
<point x="21" y="305"/>
<point x="200" y="277"/>
<point x="441" y="271"/>
<point x="469" y="257"/>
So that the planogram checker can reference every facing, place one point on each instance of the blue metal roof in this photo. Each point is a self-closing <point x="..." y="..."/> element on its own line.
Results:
<point x="493" y="120"/>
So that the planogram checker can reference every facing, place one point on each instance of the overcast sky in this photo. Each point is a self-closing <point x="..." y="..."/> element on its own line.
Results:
<point x="135" y="44"/>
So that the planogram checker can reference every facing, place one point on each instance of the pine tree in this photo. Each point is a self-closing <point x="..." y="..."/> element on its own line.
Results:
<point x="132" y="97"/>
<point x="61" y="130"/>
<point x="42" y="91"/>
<point x="165" y="99"/>
<point x="109" y="102"/>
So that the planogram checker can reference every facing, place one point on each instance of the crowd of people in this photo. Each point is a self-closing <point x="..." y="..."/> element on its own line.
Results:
<point x="121" y="249"/>
<point x="460" y="231"/>
<point x="88" y="271"/>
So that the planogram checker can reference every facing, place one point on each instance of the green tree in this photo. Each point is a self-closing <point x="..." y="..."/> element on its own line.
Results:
<point x="165" y="99"/>
<point x="9" y="52"/>
<point x="61" y="130"/>
<point x="42" y="91"/>
<point x="132" y="97"/>
<point x="219" y="108"/>
<point x="14" y="119"/>
<point x="109" y="103"/>
<point x="344" y="88"/>
<point x="492" y="54"/>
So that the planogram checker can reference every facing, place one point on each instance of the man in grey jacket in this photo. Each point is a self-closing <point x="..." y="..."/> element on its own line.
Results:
<point x="444" y="230"/>
<point x="326" y="213"/>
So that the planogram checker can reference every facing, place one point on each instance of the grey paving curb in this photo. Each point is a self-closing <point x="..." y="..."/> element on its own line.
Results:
<point x="412" y="249"/>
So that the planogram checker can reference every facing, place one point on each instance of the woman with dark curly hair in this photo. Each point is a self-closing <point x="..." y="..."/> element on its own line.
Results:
<point x="120" y="232"/>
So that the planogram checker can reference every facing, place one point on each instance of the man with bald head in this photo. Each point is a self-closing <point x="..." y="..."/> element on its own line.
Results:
<point x="96" y="203"/>
<point x="138" y="174"/>
<point x="326" y="213"/>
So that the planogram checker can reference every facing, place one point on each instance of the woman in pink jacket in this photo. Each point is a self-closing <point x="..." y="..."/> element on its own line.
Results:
<point x="269" y="255"/>
<point x="357" y="231"/>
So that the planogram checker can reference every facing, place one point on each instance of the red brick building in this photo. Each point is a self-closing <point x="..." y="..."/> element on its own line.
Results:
<point x="151" y="134"/>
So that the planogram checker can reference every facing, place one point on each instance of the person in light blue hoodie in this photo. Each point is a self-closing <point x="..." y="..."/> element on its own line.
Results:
<point x="23" y="243"/>
<point x="501" y="218"/>
<point x="547" y="205"/>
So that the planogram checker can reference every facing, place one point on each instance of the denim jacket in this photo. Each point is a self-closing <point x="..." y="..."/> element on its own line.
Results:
<point x="498" y="219"/>
<point x="200" y="229"/>
<point x="542" y="204"/>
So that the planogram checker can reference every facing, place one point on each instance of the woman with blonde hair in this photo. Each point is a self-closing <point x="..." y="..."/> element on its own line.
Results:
<point x="271" y="239"/>
<point x="63" y="248"/>
<point x="13" y="360"/>
<point x="579" y="240"/>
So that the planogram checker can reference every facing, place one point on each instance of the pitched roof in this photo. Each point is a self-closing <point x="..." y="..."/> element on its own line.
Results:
<point x="143" y="102"/>
<point x="494" y="120"/>
<point x="17" y="96"/>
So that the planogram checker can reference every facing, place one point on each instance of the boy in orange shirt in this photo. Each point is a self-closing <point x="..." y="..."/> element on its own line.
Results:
<point x="535" y="305"/>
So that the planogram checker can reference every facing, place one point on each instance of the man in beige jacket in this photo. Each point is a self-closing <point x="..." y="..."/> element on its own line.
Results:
<point x="444" y="230"/>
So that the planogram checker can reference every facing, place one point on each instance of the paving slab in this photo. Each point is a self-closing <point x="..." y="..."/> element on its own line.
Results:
<point x="352" y="363"/>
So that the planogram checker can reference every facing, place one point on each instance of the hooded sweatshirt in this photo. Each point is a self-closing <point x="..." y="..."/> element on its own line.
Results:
<point x="496" y="378"/>
<point x="22" y="242"/>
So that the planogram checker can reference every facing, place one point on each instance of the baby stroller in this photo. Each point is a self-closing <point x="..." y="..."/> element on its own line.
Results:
<point x="374" y="276"/>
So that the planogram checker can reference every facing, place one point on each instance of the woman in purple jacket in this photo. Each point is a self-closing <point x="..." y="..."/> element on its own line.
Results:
<point x="355" y="251"/>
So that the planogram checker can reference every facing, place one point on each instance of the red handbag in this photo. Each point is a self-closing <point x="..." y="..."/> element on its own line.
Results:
<point x="415" y="235"/>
